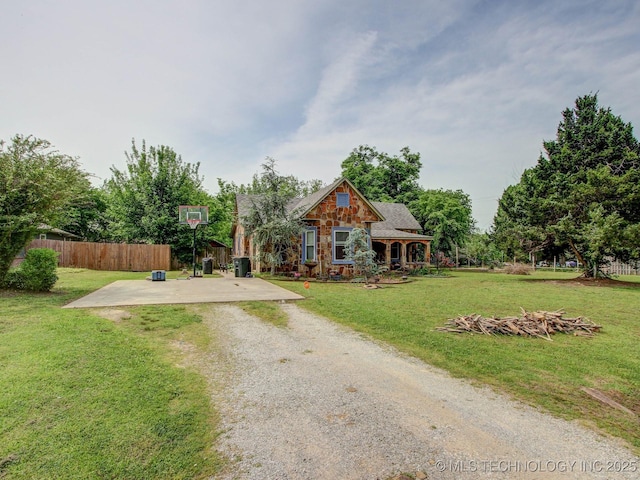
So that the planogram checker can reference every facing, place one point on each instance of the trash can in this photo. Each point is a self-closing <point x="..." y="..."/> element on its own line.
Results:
<point x="242" y="266"/>
<point x="207" y="266"/>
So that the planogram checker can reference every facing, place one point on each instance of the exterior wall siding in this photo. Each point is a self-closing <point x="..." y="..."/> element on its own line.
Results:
<point x="342" y="208"/>
<point x="327" y="215"/>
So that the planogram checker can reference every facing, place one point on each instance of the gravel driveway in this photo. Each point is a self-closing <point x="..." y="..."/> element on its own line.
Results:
<point x="317" y="401"/>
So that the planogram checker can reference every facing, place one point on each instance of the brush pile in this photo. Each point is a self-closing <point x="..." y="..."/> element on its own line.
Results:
<point x="529" y="324"/>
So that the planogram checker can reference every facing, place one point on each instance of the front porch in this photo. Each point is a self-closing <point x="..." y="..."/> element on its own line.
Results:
<point x="403" y="254"/>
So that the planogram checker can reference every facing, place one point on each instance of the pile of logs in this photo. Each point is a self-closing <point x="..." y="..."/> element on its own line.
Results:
<point x="529" y="324"/>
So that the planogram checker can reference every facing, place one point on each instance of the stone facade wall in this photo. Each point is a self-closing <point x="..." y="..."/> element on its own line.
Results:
<point x="327" y="215"/>
<point x="242" y="247"/>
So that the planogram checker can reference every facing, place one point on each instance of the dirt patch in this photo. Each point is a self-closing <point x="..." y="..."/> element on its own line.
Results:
<point x="591" y="282"/>
<point x="385" y="281"/>
<point x="8" y="293"/>
<point x="632" y="402"/>
<point x="114" y="314"/>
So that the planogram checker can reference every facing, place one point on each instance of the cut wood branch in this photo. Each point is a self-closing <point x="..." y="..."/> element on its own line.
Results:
<point x="529" y="324"/>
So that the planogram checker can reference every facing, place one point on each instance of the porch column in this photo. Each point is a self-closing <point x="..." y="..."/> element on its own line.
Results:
<point x="387" y="254"/>
<point x="403" y="254"/>
<point x="427" y="252"/>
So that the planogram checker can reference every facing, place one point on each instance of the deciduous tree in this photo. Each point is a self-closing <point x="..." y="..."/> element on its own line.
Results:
<point x="445" y="214"/>
<point x="381" y="177"/>
<point x="36" y="184"/>
<point x="481" y="250"/>
<point x="273" y="227"/>
<point x="289" y="185"/>
<point x="86" y="216"/>
<point x="144" y="200"/>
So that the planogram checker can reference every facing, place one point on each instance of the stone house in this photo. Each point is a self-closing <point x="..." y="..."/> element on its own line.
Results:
<point x="329" y="215"/>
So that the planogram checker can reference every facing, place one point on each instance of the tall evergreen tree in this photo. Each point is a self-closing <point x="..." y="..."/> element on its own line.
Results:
<point x="583" y="196"/>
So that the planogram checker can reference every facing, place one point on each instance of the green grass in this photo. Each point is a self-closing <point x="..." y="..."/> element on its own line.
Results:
<point x="542" y="373"/>
<point x="86" y="397"/>
<point x="267" y="311"/>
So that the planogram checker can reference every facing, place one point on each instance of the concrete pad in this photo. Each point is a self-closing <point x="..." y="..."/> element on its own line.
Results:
<point x="194" y="290"/>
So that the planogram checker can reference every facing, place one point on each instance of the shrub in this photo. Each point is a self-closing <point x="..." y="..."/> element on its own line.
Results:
<point x="14" y="279"/>
<point x="420" y="271"/>
<point x="440" y="260"/>
<point x="517" y="269"/>
<point x="37" y="272"/>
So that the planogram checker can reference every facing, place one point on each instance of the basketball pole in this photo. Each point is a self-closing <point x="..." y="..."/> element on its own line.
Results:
<point x="194" y="251"/>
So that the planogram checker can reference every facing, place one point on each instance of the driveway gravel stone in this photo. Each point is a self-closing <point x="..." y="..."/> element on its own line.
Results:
<point x="318" y="401"/>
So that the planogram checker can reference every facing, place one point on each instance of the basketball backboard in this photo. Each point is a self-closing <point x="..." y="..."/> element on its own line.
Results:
<point x="193" y="215"/>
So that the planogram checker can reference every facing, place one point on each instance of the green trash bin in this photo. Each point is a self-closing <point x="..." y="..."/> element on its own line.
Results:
<point x="207" y="266"/>
<point x="242" y="266"/>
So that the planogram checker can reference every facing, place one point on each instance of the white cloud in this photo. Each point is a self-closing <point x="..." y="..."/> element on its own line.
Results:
<point x="473" y="86"/>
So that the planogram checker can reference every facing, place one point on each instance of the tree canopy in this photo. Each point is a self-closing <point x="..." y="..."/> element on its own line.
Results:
<point x="36" y="184"/>
<point x="381" y="177"/>
<point x="479" y="249"/>
<point x="85" y="215"/>
<point x="288" y="185"/>
<point x="445" y="214"/>
<point x="144" y="200"/>
<point x="583" y="195"/>
<point x="274" y="228"/>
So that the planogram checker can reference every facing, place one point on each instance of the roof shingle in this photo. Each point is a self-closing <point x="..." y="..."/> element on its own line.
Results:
<point x="397" y="216"/>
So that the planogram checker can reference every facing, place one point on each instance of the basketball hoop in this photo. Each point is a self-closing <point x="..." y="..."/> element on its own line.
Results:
<point x="193" y="215"/>
<point x="193" y="223"/>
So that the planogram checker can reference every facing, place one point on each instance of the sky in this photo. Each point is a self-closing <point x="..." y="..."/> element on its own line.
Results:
<point x="475" y="87"/>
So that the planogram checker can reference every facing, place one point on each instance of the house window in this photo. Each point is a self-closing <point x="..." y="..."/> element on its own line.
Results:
<point x="340" y="236"/>
<point x="309" y="245"/>
<point x="395" y="251"/>
<point x="43" y="236"/>
<point x="342" y="200"/>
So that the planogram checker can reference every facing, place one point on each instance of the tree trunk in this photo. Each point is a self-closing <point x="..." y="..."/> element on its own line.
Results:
<point x="588" y="270"/>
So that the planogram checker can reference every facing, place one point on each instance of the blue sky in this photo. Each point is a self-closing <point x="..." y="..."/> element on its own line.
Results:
<point x="473" y="86"/>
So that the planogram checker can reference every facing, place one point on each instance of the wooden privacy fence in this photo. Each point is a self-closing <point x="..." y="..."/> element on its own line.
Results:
<point x="219" y="256"/>
<point x="108" y="256"/>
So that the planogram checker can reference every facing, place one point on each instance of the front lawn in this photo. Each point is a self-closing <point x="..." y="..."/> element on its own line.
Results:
<point x="86" y="397"/>
<point x="537" y="371"/>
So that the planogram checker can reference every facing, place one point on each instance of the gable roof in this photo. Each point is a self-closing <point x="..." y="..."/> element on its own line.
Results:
<point x="397" y="215"/>
<point x="394" y="217"/>
<point x="311" y="201"/>
<point x="244" y="202"/>
<point x="397" y="218"/>
<point x="43" y="227"/>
